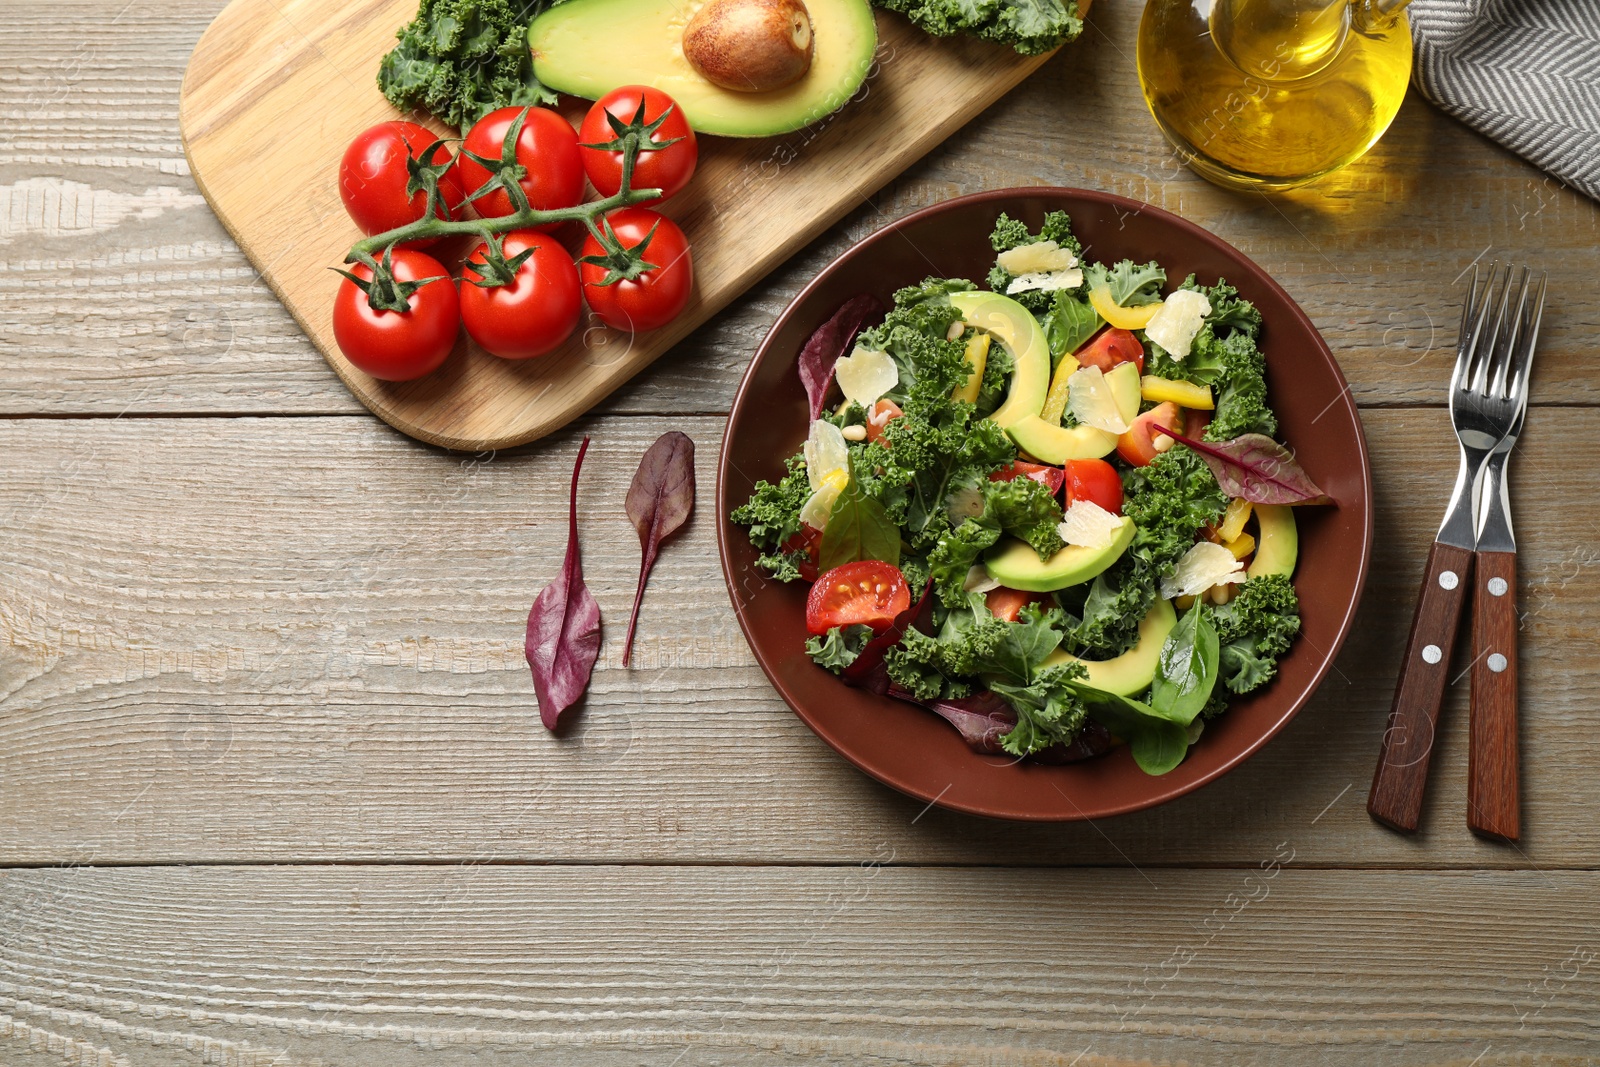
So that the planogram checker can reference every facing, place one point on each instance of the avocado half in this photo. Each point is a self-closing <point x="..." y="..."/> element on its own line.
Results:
<point x="589" y="47"/>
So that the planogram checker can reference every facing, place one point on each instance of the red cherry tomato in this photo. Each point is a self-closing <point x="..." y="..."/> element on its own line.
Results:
<point x="868" y="593"/>
<point x="1007" y="603"/>
<point x="883" y="412"/>
<point x="398" y="346"/>
<point x="373" y="177"/>
<point x="1111" y="347"/>
<point x="1094" y="480"/>
<point x="535" y="311"/>
<point x="1050" y="477"/>
<point x="1138" y="445"/>
<point x="547" y="149"/>
<point x="657" y="296"/>
<point x="809" y="541"/>
<point x="668" y="169"/>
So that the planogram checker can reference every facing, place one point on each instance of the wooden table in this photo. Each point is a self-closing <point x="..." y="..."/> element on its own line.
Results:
<point x="272" y="786"/>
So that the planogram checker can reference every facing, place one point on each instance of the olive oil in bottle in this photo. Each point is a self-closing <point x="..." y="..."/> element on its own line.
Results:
<point x="1271" y="94"/>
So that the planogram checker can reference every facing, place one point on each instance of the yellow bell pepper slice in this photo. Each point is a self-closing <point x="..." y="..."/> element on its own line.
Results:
<point x="1184" y="394"/>
<point x="1055" y="401"/>
<point x="1117" y="315"/>
<point x="977" y="356"/>
<point x="1240" y="546"/>
<point x="1233" y="520"/>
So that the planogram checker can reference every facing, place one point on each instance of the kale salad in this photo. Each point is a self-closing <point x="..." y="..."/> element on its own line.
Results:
<point x="1052" y="508"/>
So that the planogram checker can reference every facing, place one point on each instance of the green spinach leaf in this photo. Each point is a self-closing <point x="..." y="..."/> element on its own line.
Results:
<point x="1187" y="670"/>
<point x="858" y="528"/>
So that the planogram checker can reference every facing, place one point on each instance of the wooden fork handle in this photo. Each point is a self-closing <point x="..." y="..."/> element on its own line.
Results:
<point x="1402" y="775"/>
<point x="1492" y="773"/>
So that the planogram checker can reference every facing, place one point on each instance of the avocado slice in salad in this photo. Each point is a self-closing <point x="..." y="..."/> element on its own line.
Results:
<point x="1058" y="444"/>
<point x="1014" y="563"/>
<point x="1131" y="673"/>
<point x="1277" y="541"/>
<point x="1015" y="328"/>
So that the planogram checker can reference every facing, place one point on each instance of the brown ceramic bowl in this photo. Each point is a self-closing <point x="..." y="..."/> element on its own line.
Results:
<point x="915" y="751"/>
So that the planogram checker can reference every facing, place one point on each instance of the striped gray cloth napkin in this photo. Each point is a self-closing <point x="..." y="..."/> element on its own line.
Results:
<point x="1525" y="73"/>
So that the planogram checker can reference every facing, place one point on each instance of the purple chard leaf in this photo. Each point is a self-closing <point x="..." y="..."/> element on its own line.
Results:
<point x="1256" y="468"/>
<point x="659" y="502"/>
<point x="830" y="341"/>
<point x="563" y="638"/>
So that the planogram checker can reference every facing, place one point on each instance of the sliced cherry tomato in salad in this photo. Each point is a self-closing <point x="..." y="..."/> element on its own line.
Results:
<point x="668" y="169"/>
<point x="398" y="346"/>
<point x="1111" y="347"/>
<point x="883" y="412"/>
<point x="373" y="176"/>
<point x="1195" y="422"/>
<point x="654" y="298"/>
<point x="868" y="593"/>
<point x="1006" y="603"/>
<point x="809" y="541"/>
<point x="534" y="312"/>
<point x="1094" y="480"/>
<point x="1138" y="445"/>
<point x="547" y="150"/>
<point x="1051" y="478"/>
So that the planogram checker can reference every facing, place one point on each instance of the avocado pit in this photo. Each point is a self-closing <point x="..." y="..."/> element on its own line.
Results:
<point x="750" y="46"/>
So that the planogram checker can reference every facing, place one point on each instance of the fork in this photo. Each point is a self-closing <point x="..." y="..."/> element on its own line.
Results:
<point x="1488" y="390"/>
<point x="1492" y="772"/>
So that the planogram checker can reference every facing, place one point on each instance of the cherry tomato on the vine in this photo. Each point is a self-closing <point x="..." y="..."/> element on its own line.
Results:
<point x="668" y="169"/>
<point x="398" y="346"/>
<point x="373" y="176"/>
<point x="869" y="593"/>
<point x="655" y="297"/>
<point x="547" y="149"/>
<point x="529" y="315"/>
<point x="1094" y="480"/>
<point x="1139" y="444"/>
<point x="1111" y="347"/>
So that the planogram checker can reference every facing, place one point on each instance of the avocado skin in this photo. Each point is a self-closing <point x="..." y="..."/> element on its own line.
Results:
<point x="1131" y="673"/>
<point x="1015" y="564"/>
<point x="589" y="47"/>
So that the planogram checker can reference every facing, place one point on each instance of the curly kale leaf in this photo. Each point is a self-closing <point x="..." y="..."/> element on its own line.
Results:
<point x="1025" y="509"/>
<point x="1169" y="501"/>
<point x="1012" y="233"/>
<point x="954" y="556"/>
<point x="1130" y="284"/>
<point x="1256" y="628"/>
<point x="839" y="648"/>
<point x="1032" y="27"/>
<point x="1008" y="657"/>
<point x="772" y="513"/>
<point x="461" y="59"/>
<point x="1224" y="355"/>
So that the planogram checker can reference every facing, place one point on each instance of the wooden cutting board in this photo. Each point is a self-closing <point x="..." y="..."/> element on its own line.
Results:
<point x="277" y="88"/>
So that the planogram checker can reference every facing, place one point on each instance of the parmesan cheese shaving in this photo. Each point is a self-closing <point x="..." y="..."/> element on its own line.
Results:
<point x="1091" y="403"/>
<point x="1200" y="568"/>
<point x="1088" y="525"/>
<point x="1180" y="318"/>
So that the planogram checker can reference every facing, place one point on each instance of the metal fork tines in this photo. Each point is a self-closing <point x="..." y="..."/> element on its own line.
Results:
<point x="1488" y="397"/>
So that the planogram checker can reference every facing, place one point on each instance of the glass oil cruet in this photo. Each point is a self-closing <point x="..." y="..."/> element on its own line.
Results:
<point x="1272" y="94"/>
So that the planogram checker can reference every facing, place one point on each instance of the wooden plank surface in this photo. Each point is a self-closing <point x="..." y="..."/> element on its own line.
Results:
<point x="123" y="293"/>
<point x="293" y="967"/>
<point x="230" y="639"/>
<point x="301" y="639"/>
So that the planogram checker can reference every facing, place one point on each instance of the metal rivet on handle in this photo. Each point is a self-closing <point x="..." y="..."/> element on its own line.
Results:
<point x="1447" y="580"/>
<point x="1497" y="586"/>
<point x="1497" y="662"/>
<point x="1431" y="653"/>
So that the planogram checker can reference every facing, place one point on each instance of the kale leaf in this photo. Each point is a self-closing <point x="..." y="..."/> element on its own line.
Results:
<point x="840" y="647"/>
<point x="772" y="516"/>
<point x="1032" y="27"/>
<point x="461" y="59"/>
<point x="1256" y="628"/>
<point x="1130" y="284"/>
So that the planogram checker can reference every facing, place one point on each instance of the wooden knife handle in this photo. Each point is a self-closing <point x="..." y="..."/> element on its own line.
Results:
<point x="1492" y="775"/>
<point x="1402" y="775"/>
